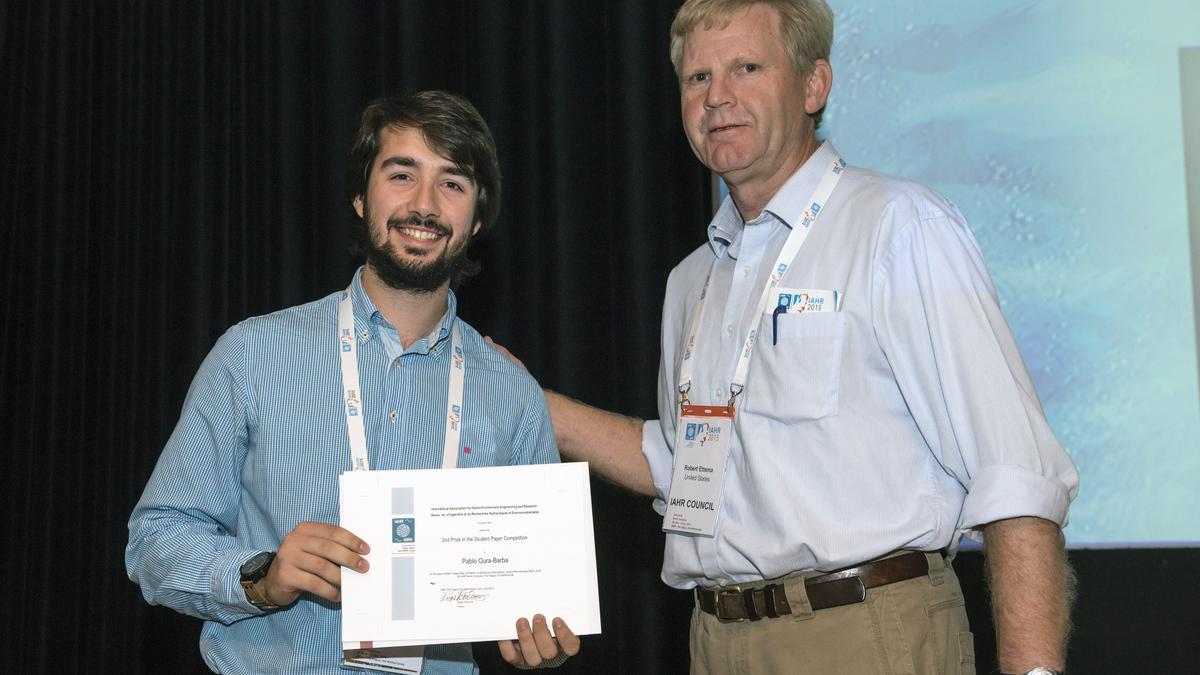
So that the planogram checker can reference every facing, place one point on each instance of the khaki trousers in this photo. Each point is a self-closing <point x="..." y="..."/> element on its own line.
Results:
<point x="912" y="627"/>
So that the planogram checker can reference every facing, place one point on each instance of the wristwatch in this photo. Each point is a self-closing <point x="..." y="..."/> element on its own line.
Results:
<point x="253" y="571"/>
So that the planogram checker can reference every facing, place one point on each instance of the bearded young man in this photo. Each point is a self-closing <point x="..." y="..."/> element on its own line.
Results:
<point x="236" y="525"/>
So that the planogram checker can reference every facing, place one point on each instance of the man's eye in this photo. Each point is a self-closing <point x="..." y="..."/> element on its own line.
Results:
<point x="699" y="78"/>
<point x="454" y="186"/>
<point x="400" y="176"/>
<point x="750" y="67"/>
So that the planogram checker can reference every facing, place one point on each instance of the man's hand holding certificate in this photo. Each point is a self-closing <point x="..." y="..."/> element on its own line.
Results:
<point x="458" y="555"/>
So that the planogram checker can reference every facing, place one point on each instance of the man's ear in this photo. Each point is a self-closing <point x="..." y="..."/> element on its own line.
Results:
<point x="358" y="205"/>
<point x="820" y="81"/>
<point x="475" y="230"/>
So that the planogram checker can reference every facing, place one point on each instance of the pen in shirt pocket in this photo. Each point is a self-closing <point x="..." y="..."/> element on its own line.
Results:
<point x="800" y="301"/>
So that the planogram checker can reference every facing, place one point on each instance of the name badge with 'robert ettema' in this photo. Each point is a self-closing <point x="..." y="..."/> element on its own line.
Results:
<point x="698" y="475"/>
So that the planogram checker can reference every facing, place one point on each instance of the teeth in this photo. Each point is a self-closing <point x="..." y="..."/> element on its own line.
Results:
<point x="420" y="234"/>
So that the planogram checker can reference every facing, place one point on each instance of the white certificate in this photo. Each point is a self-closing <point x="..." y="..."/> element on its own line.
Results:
<point x="458" y="555"/>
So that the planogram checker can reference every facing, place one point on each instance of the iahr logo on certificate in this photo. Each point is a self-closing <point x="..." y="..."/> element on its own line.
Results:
<point x="404" y="535"/>
<point x="402" y="531"/>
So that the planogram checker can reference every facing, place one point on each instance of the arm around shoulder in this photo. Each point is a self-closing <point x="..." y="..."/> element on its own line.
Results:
<point x="610" y="443"/>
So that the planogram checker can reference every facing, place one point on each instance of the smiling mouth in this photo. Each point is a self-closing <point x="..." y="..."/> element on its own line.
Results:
<point x="422" y="235"/>
<point x="725" y="127"/>
<point x="419" y="229"/>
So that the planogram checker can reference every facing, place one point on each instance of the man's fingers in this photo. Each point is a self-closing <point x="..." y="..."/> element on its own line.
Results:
<point x="546" y="646"/>
<point x="535" y="644"/>
<point x="310" y="559"/>
<point x="309" y="565"/>
<point x="329" y="542"/>
<point x="568" y="641"/>
<point x="508" y="652"/>
<point x="334" y="552"/>
<point x="528" y="648"/>
<point x="302" y="571"/>
<point x="333" y="533"/>
<point x="319" y="587"/>
<point x="505" y="353"/>
<point x="285" y="582"/>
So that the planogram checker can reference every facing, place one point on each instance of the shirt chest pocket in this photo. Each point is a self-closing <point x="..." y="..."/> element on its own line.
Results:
<point x="798" y="377"/>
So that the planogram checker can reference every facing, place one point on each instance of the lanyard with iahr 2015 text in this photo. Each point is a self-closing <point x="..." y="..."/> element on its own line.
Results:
<point x="353" y="409"/>
<point x="352" y="391"/>
<point x="787" y="254"/>
<point x="703" y="432"/>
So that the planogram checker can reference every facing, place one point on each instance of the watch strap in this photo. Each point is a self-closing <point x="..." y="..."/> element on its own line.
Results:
<point x="257" y="597"/>
<point x="259" y="566"/>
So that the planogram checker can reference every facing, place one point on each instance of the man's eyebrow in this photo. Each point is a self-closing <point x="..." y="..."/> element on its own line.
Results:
<point x="456" y="170"/>
<point x="398" y="161"/>
<point x="403" y="160"/>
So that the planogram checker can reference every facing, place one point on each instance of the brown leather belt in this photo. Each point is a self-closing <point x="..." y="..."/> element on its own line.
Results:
<point x="844" y="587"/>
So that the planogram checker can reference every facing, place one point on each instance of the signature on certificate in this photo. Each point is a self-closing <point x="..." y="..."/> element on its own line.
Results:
<point x="464" y="596"/>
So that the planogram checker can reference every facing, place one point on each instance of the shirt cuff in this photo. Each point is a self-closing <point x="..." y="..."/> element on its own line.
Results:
<point x="227" y="582"/>
<point x="555" y="662"/>
<point x="999" y="492"/>
<point x="661" y="461"/>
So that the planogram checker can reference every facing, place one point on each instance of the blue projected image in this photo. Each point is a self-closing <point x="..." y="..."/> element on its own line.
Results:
<point x="1057" y="128"/>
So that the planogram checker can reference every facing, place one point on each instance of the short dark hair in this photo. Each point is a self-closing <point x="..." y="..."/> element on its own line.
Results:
<point x="451" y="126"/>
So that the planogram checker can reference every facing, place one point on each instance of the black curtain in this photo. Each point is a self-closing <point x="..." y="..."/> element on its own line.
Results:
<point x="169" y="168"/>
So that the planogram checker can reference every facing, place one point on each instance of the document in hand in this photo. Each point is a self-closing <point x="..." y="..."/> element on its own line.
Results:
<point x="458" y="555"/>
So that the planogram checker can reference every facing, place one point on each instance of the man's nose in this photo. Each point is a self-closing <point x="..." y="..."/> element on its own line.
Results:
<point x="719" y="93"/>
<point x="425" y="200"/>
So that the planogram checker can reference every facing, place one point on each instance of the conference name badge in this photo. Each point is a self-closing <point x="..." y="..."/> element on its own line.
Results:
<point x="698" y="475"/>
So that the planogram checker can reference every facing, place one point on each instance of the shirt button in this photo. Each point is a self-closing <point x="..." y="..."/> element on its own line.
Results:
<point x="397" y="362"/>
<point x="393" y="415"/>
<point x="746" y="269"/>
<point x="720" y="392"/>
<point x="729" y="329"/>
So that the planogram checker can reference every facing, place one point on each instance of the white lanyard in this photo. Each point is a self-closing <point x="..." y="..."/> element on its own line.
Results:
<point x="352" y="392"/>
<point x="791" y="247"/>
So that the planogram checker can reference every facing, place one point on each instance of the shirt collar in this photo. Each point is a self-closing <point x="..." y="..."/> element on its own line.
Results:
<point x="786" y="205"/>
<point x="725" y="227"/>
<point x="370" y="323"/>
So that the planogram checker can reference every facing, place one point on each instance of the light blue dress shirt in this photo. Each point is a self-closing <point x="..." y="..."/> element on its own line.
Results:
<point x="905" y="420"/>
<point x="259" y="447"/>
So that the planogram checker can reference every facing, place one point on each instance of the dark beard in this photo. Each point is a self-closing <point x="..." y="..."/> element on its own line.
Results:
<point x="420" y="276"/>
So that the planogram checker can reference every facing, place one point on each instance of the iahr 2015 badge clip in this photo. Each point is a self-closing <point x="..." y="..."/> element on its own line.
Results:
<point x="698" y="477"/>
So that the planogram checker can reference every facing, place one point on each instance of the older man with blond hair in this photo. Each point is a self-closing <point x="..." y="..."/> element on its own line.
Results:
<point x="840" y="398"/>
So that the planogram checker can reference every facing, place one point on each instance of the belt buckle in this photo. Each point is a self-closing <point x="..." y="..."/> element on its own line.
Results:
<point x="735" y="590"/>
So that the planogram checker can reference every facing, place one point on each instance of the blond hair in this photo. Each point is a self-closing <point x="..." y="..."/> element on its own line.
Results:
<point x="806" y="27"/>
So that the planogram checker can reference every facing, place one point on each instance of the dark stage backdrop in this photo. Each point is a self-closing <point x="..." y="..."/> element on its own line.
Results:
<point x="169" y="168"/>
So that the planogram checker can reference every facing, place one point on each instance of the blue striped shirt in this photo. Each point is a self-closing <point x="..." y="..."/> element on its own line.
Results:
<point x="259" y="447"/>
